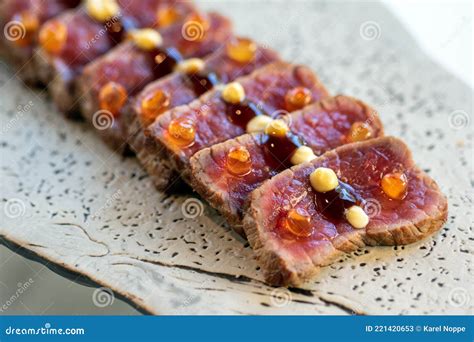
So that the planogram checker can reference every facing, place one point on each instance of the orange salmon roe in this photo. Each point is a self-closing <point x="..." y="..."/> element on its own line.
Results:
<point x="297" y="98"/>
<point x="298" y="223"/>
<point x="112" y="97"/>
<point x="182" y="131"/>
<point x="153" y="105"/>
<point x="200" y="18"/>
<point x="53" y="36"/>
<point x="395" y="185"/>
<point x="239" y="162"/>
<point x="167" y="16"/>
<point x="241" y="50"/>
<point x="194" y="27"/>
<point x="30" y="24"/>
<point x="359" y="131"/>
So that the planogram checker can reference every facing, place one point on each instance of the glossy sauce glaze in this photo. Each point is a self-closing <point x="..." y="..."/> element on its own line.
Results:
<point x="202" y="81"/>
<point x="165" y="60"/>
<point x="241" y="113"/>
<point x="117" y="28"/>
<point x="278" y="150"/>
<point x="332" y="204"/>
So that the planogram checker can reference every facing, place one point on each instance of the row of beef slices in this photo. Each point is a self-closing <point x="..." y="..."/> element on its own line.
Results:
<point x="111" y="79"/>
<point x="80" y="81"/>
<point x="21" y="21"/>
<point x="57" y="38"/>
<point x="133" y="69"/>
<point x="177" y="134"/>
<point x="72" y="39"/>
<point x="226" y="173"/>
<point x="304" y="176"/>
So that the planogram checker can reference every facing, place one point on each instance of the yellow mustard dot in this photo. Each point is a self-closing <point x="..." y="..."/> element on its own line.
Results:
<point x="233" y="93"/>
<point x="258" y="123"/>
<point x="357" y="217"/>
<point x="102" y="10"/>
<point x="303" y="154"/>
<point x="323" y="179"/>
<point x="191" y="66"/>
<point x="146" y="39"/>
<point x="277" y="128"/>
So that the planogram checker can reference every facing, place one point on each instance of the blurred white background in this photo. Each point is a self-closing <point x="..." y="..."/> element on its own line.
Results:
<point x="442" y="28"/>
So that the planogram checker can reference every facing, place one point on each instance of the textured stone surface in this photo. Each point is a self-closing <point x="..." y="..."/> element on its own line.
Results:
<point x="67" y="198"/>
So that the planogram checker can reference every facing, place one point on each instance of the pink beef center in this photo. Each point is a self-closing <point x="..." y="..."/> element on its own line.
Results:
<point x="363" y="170"/>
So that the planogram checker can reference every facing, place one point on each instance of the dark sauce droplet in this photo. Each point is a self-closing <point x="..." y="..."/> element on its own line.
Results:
<point x="117" y="27"/>
<point x="165" y="60"/>
<point x="241" y="113"/>
<point x="71" y="3"/>
<point x="278" y="150"/>
<point x="202" y="81"/>
<point x="332" y="204"/>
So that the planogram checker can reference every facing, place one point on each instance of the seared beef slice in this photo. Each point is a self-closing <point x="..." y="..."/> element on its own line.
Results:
<point x="288" y="259"/>
<point x="322" y="126"/>
<point x="132" y="68"/>
<point x="87" y="38"/>
<point x="207" y="120"/>
<point x="178" y="90"/>
<point x="30" y="14"/>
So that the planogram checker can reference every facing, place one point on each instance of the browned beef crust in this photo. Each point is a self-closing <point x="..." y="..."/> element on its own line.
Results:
<point x="280" y="265"/>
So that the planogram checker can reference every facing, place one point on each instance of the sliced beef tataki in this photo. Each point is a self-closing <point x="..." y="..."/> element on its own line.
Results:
<point x="179" y="88"/>
<point x="130" y="68"/>
<point x="322" y="126"/>
<point x="87" y="37"/>
<point x="182" y="131"/>
<point x="291" y="254"/>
